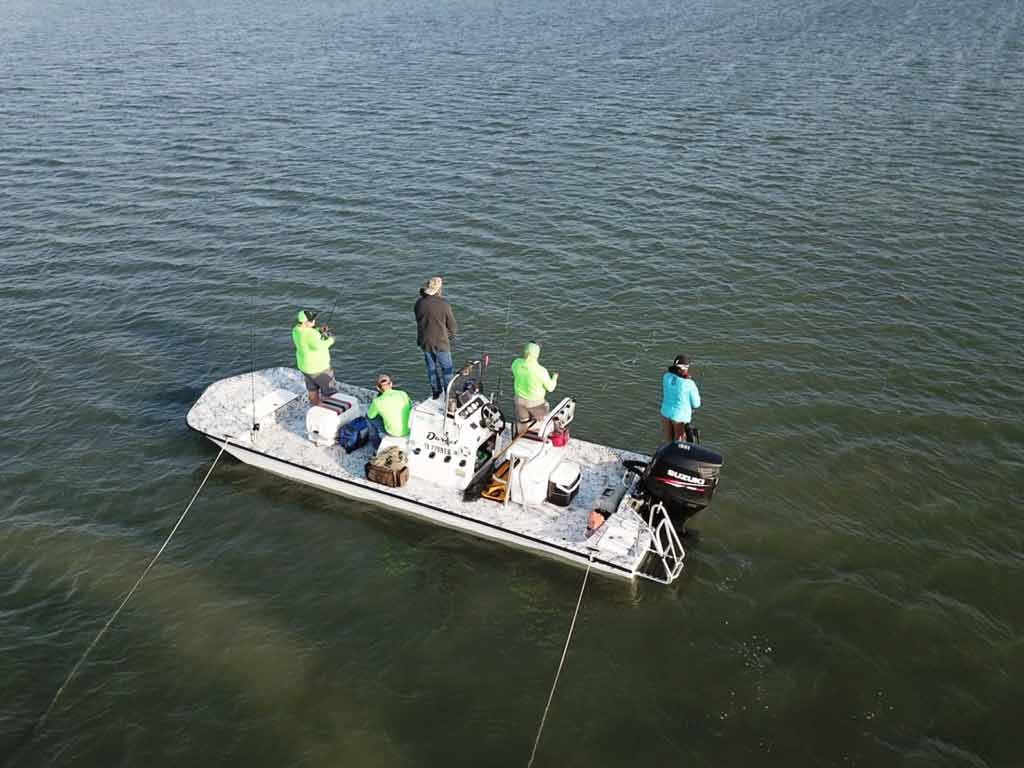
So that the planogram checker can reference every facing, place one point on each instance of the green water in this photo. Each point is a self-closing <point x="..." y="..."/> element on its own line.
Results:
<point x="820" y="203"/>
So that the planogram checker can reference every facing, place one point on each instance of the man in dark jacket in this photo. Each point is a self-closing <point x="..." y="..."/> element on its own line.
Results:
<point x="435" y="328"/>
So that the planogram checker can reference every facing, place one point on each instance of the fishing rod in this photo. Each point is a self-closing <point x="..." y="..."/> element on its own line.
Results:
<point x="325" y="329"/>
<point x="504" y="345"/>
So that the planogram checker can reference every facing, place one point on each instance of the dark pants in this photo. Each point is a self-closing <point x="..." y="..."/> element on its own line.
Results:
<point x="676" y="430"/>
<point x="439" y="369"/>
<point x="377" y="432"/>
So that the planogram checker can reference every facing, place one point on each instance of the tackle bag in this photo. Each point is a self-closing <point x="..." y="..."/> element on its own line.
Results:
<point x="355" y="434"/>
<point x="388" y="468"/>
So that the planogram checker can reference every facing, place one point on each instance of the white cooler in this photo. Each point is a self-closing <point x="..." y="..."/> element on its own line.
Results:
<point x="564" y="484"/>
<point x="324" y="421"/>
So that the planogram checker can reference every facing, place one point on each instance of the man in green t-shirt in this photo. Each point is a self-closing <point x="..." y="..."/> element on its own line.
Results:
<point x="389" y="412"/>
<point x="313" y="356"/>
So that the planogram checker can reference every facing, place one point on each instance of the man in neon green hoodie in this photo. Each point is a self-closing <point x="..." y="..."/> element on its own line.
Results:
<point x="532" y="383"/>
<point x="313" y="356"/>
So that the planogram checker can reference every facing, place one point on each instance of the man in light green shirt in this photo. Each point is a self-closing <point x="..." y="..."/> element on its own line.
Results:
<point x="313" y="356"/>
<point x="532" y="383"/>
<point x="389" y="412"/>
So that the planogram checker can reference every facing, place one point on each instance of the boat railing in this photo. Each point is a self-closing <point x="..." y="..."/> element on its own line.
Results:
<point x="665" y="546"/>
<point x="560" y="417"/>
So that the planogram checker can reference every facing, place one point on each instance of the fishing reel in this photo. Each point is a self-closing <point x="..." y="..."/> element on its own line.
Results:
<point x="323" y="328"/>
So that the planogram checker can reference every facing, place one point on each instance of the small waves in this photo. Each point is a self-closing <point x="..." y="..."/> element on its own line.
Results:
<point x="819" y="203"/>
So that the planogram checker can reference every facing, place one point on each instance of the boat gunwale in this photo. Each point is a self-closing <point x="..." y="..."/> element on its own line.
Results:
<point x="573" y="555"/>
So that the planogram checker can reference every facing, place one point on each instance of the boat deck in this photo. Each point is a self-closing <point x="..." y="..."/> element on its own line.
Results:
<point x="275" y="399"/>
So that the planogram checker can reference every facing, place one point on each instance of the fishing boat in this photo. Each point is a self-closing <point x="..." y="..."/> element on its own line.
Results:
<point x="618" y="513"/>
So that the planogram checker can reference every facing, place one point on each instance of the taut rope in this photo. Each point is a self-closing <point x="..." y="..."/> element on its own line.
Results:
<point x="565" y="650"/>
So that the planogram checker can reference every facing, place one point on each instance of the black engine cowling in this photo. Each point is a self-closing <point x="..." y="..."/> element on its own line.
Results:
<point x="683" y="477"/>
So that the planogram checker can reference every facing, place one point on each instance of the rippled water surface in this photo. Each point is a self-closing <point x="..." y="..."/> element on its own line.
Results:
<point x="820" y="202"/>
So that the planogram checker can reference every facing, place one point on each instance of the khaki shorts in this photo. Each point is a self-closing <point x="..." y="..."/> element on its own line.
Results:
<point x="525" y="413"/>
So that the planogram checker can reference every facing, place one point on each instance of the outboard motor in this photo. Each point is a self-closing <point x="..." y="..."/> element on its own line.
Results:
<point x="683" y="477"/>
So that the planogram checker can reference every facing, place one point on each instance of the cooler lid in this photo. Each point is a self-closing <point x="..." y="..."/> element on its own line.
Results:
<point x="338" y="400"/>
<point x="565" y="474"/>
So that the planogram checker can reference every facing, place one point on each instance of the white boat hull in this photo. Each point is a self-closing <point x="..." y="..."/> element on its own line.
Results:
<point x="413" y="509"/>
<point x="274" y="400"/>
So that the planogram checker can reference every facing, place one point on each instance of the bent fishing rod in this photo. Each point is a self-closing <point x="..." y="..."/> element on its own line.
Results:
<point x="325" y="329"/>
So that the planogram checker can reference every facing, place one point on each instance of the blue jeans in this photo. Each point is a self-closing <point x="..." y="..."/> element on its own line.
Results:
<point x="377" y="432"/>
<point x="439" y="369"/>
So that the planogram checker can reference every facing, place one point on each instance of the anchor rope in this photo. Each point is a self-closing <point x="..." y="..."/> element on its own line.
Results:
<point x="74" y="670"/>
<point x="561" y="663"/>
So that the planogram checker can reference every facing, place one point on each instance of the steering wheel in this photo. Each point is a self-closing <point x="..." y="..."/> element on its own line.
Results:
<point x="493" y="416"/>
